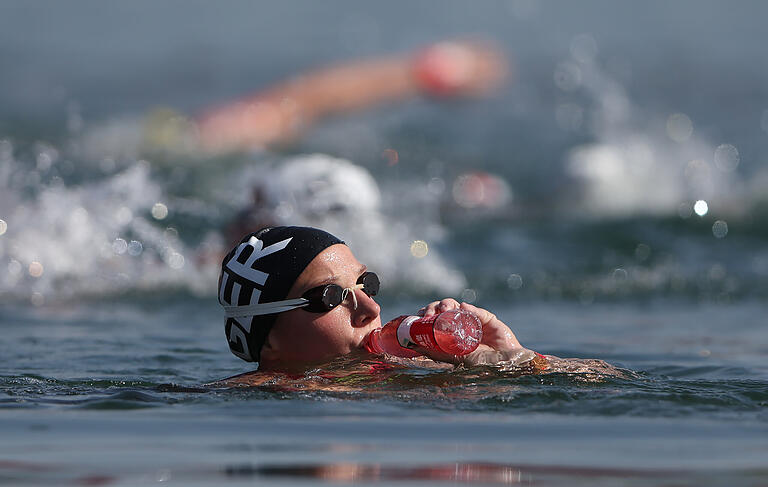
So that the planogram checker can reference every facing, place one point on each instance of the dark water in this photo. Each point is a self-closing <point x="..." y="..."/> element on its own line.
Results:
<point x="618" y="119"/>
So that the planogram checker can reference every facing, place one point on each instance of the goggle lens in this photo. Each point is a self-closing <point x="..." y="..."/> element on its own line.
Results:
<point x="324" y="298"/>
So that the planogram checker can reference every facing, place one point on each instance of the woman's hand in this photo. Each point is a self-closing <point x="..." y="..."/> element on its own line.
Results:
<point x="496" y="334"/>
<point x="435" y="307"/>
<point x="499" y="344"/>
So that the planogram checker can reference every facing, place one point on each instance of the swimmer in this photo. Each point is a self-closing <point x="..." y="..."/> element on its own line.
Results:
<point x="278" y="114"/>
<point x="296" y="297"/>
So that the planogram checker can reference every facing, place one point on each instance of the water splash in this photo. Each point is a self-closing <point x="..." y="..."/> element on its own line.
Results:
<point x="641" y="163"/>
<point x="110" y="224"/>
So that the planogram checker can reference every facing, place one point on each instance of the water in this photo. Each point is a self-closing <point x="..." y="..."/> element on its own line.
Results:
<point x="620" y="121"/>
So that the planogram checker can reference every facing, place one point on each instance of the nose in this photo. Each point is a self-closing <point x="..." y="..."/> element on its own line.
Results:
<point x="367" y="309"/>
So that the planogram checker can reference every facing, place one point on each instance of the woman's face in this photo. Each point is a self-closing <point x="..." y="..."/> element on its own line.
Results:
<point x="300" y="337"/>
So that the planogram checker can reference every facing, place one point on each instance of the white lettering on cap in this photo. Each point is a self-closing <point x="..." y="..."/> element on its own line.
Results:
<point x="246" y="271"/>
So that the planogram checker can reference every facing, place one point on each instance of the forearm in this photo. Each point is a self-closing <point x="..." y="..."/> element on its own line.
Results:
<point x="281" y="112"/>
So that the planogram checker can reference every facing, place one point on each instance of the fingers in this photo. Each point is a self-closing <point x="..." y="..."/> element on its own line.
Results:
<point x="495" y="333"/>
<point x="484" y="315"/>
<point x="438" y="307"/>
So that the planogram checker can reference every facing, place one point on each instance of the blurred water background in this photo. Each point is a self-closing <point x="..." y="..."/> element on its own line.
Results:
<point x="628" y="154"/>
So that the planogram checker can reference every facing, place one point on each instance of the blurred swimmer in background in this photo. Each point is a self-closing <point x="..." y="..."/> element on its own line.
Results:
<point x="329" y="192"/>
<point x="280" y="113"/>
<point x="223" y="170"/>
<point x="277" y="115"/>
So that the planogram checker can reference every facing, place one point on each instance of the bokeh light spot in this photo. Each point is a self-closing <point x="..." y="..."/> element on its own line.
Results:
<point x="468" y="296"/>
<point x="620" y="275"/>
<point x="717" y="272"/>
<point x="720" y="229"/>
<point x="419" y="249"/>
<point x="567" y="76"/>
<point x="14" y="267"/>
<point x="679" y="127"/>
<point x="726" y="157"/>
<point x="135" y="248"/>
<point x="480" y="189"/>
<point x="701" y="207"/>
<point x="37" y="299"/>
<point x="36" y="269"/>
<point x="515" y="281"/>
<point x="391" y="156"/>
<point x="119" y="246"/>
<point x="642" y="252"/>
<point x="159" y="211"/>
<point x="436" y="186"/>
<point x="3" y="227"/>
<point x="175" y="260"/>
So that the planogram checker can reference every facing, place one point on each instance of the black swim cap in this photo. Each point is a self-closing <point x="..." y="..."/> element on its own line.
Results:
<point x="262" y="269"/>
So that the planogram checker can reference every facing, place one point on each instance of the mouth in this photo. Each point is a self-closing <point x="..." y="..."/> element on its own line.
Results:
<point x="363" y="342"/>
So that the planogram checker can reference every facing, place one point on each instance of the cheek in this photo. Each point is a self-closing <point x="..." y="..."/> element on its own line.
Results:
<point x="327" y="335"/>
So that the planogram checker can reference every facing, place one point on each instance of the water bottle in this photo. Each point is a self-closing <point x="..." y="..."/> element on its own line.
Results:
<point x="455" y="332"/>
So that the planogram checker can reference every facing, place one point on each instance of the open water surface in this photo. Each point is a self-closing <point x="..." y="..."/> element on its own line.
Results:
<point x="620" y="120"/>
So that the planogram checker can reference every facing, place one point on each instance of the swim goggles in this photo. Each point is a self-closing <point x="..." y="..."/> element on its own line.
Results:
<point x="320" y="299"/>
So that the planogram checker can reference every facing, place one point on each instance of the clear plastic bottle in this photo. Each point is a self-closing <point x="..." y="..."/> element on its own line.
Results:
<point x="455" y="332"/>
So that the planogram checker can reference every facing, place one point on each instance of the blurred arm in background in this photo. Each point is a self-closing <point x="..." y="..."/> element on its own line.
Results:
<point x="279" y="113"/>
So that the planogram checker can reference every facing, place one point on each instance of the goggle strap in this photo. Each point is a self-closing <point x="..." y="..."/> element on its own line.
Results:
<point x="281" y="306"/>
<point x="264" y="308"/>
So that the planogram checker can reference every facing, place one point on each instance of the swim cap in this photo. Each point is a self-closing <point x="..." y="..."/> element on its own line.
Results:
<point x="261" y="269"/>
